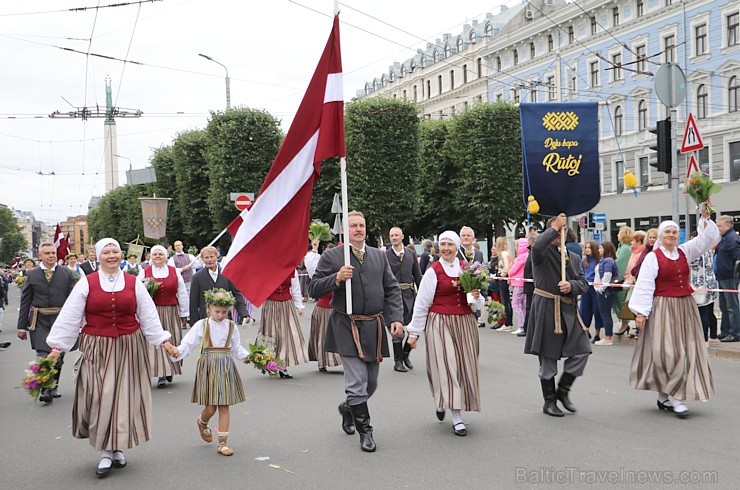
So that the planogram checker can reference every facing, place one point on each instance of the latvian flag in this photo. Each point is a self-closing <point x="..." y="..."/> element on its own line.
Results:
<point x="271" y="239"/>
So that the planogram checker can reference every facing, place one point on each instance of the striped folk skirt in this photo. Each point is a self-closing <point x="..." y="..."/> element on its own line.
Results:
<point x="452" y="361"/>
<point x="280" y="322"/>
<point x="217" y="381"/>
<point x="670" y="356"/>
<point x="161" y="364"/>
<point x="316" y="352"/>
<point x="113" y="398"/>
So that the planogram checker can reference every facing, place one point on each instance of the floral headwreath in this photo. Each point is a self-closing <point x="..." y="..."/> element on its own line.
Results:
<point x="219" y="297"/>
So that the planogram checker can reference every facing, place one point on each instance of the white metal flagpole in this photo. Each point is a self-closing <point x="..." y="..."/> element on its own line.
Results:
<point x="345" y="226"/>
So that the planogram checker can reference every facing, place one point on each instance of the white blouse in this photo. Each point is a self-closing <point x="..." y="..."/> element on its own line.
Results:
<point x="295" y="292"/>
<point x="641" y="302"/>
<point x="183" y="298"/>
<point x="427" y="290"/>
<point x="67" y="326"/>
<point x="218" y="332"/>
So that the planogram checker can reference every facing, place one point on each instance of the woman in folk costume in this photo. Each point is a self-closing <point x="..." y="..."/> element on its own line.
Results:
<point x="173" y="307"/>
<point x="280" y="322"/>
<point x="670" y="356"/>
<point x="217" y="381"/>
<point x="71" y="263"/>
<point x="319" y="319"/>
<point x="442" y="312"/>
<point x="113" y="401"/>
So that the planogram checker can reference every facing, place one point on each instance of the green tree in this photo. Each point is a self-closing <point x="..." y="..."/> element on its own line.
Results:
<point x="190" y="201"/>
<point x="484" y="144"/>
<point x="118" y="214"/>
<point x="243" y="144"/>
<point x="324" y="188"/>
<point x="382" y="161"/>
<point x="163" y="161"/>
<point x="13" y="240"/>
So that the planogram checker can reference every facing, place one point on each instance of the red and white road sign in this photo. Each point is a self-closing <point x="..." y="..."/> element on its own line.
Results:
<point x="691" y="138"/>
<point x="243" y="202"/>
<point x="693" y="167"/>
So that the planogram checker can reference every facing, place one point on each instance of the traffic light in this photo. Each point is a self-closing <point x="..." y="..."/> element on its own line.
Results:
<point x="662" y="162"/>
<point x="590" y="222"/>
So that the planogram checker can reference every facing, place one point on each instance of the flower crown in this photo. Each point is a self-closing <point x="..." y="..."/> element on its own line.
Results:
<point x="219" y="297"/>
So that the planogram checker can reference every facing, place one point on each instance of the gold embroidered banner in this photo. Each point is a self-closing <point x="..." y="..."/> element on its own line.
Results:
<point x="154" y="215"/>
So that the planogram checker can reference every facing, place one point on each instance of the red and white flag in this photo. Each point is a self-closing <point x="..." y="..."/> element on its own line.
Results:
<point x="62" y="244"/>
<point x="272" y="238"/>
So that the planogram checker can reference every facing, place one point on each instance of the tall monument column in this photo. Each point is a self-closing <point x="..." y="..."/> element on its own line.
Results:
<point x="111" y="140"/>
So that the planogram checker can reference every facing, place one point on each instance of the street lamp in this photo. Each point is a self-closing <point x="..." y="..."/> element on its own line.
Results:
<point x="127" y="158"/>
<point x="228" y="83"/>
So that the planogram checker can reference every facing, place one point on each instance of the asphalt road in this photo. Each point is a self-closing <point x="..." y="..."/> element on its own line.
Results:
<point x="618" y="438"/>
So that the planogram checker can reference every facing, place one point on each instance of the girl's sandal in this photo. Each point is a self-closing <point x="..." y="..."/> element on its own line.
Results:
<point x="205" y="432"/>
<point x="225" y="450"/>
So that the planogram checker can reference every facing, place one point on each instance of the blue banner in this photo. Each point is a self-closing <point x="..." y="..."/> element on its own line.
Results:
<point x="560" y="144"/>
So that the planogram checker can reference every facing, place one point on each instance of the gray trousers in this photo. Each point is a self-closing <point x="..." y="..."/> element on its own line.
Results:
<point x="573" y="365"/>
<point x="360" y="379"/>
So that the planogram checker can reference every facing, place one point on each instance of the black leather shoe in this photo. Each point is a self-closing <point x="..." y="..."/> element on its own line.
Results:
<point x="348" y="424"/>
<point x="285" y="375"/>
<point x="4" y="345"/>
<point x="399" y="366"/>
<point x="566" y="381"/>
<point x="406" y="354"/>
<point x="460" y="429"/>
<point x="666" y="405"/>
<point x="730" y="338"/>
<point x="103" y="472"/>
<point x="46" y="396"/>
<point x="548" y="393"/>
<point x="55" y="393"/>
<point x="120" y="461"/>
<point x="168" y="378"/>
<point x="522" y="334"/>
<point x="362" y="423"/>
<point x="161" y="383"/>
<point x="440" y="414"/>
<point x="595" y="339"/>
<point x="322" y="369"/>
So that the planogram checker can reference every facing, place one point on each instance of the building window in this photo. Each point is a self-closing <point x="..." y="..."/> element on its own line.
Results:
<point x="473" y="37"/>
<point x="375" y="85"/>
<point x="415" y="91"/>
<point x="489" y="30"/>
<point x="594" y="66"/>
<point x="669" y="48"/>
<point x="452" y="111"/>
<point x="452" y="79"/>
<point x="735" y="161"/>
<point x="571" y="35"/>
<point x="641" y="52"/>
<point x="615" y="16"/>
<point x="533" y="92"/>
<point x="498" y="63"/>
<point x="550" y="43"/>
<point x="480" y="67"/>
<point x="550" y="88"/>
<point x="532" y="51"/>
<point x="704" y="160"/>
<point x="642" y="115"/>
<point x="640" y="8"/>
<point x="413" y="66"/>
<point x="644" y="172"/>
<point x="733" y="29"/>
<point x="429" y="89"/>
<point x="439" y="83"/>
<point x="383" y="81"/>
<point x="499" y="97"/>
<point x="594" y="25"/>
<point x="448" y="51"/>
<point x="572" y="84"/>
<point x="465" y="105"/>
<point x="404" y="95"/>
<point x="516" y="57"/>
<point x="618" y="121"/>
<point x="700" y="39"/>
<point x="732" y="94"/>
<point x="515" y="95"/>
<point x="394" y="96"/>
<point x="619" y="172"/>
<point x="668" y="3"/>
<point x="403" y="70"/>
<point x="701" y="101"/>
<point x="391" y="76"/>
<point x="460" y="44"/>
<point x="465" y="73"/>
<point x="617" y="67"/>
<point x="435" y="56"/>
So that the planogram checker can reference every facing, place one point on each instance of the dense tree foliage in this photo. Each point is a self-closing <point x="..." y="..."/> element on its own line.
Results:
<point x="192" y="185"/>
<point x="13" y="241"/>
<point x="118" y="214"/>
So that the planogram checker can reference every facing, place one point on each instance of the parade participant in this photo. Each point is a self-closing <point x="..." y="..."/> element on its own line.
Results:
<point x="320" y="318"/>
<point x="208" y="278"/>
<point x="91" y="265"/>
<point x="589" y="307"/>
<point x="505" y="262"/>
<point x="28" y="264"/>
<point x="173" y="306"/>
<point x="217" y="381"/>
<point x="606" y="271"/>
<point x="71" y="264"/>
<point x="442" y="313"/>
<point x="702" y="280"/>
<point x="405" y="268"/>
<point x="426" y="248"/>
<point x="44" y="292"/>
<point x="626" y="238"/>
<point x="147" y="261"/>
<point x="553" y="330"/>
<point x="279" y="321"/>
<point x="131" y="264"/>
<point x="516" y="276"/>
<point x="670" y="356"/>
<point x="467" y="252"/>
<point x="113" y="402"/>
<point x="183" y="262"/>
<point x="359" y="338"/>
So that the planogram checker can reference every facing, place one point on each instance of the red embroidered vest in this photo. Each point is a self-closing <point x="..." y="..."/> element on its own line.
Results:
<point x="111" y="314"/>
<point x="449" y="298"/>
<point x="325" y="300"/>
<point x="166" y="295"/>
<point x="282" y="293"/>
<point x="673" y="275"/>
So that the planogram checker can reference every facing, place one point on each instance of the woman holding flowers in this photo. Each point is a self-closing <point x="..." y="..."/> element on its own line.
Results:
<point x="443" y="313"/>
<point x="670" y="356"/>
<point x="113" y="402"/>
<point x="173" y="307"/>
<point x="217" y="381"/>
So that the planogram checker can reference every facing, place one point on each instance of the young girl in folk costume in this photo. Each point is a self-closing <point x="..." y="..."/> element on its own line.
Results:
<point x="217" y="381"/>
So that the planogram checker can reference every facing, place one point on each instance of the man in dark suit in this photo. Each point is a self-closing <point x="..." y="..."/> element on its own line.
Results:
<point x="359" y="338"/>
<point x="424" y="257"/>
<point x="44" y="293"/>
<point x="91" y="265"/>
<point x="208" y="278"/>
<point x="405" y="268"/>
<point x="467" y="252"/>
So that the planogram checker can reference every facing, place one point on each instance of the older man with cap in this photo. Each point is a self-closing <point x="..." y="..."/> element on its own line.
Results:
<point x="113" y="403"/>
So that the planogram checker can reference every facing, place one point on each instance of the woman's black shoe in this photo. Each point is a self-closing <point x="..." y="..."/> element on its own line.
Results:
<point x="285" y="375"/>
<point x="440" y="414"/>
<point x="322" y="369"/>
<point x="625" y="328"/>
<point x="161" y="383"/>
<point x="595" y="339"/>
<point x="168" y="378"/>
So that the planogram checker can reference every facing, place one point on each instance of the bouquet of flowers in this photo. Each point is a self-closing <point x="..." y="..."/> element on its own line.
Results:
<point x="39" y="376"/>
<point x="132" y="271"/>
<point x="193" y="250"/>
<point x="20" y="281"/>
<point x="151" y="286"/>
<point x="474" y="276"/>
<point x="700" y="187"/>
<point x="262" y="356"/>
<point x="320" y="231"/>
<point x="495" y="312"/>
<point x="76" y="275"/>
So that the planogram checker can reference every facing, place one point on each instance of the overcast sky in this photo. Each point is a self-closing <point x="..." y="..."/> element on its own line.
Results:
<point x="270" y="48"/>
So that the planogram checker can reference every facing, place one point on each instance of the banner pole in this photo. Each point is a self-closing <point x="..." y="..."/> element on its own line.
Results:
<point x="345" y="226"/>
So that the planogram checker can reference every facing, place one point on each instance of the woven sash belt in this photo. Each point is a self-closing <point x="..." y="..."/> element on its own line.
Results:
<point x="353" y="319"/>
<point x="558" y="299"/>
<point x="35" y="312"/>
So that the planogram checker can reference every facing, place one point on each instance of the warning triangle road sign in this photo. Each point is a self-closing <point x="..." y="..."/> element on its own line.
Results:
<point x="691" y="138"/>
<point x="693" y="167"/>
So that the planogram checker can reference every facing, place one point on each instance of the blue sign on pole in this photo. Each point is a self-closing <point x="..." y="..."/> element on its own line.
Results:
<point x="599" y="217"/>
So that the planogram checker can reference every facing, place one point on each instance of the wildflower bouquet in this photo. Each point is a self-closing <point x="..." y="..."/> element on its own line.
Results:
<point x="20" y="281"/>
<point x="701" y="187"/>
<point x="262" y="356"/>
<point x="320" y="231"/>
<point x="132" y="271"/>
<point x="39" y="376"/>
<point x="151" y="286"/>
<point x="495" y="312"/>
<point x="474" y="276"/>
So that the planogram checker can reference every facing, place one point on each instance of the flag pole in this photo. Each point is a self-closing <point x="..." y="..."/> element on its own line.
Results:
<point x="345" y="226"/>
